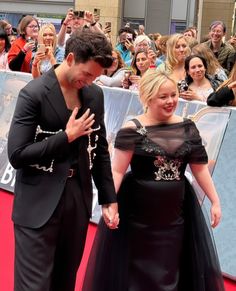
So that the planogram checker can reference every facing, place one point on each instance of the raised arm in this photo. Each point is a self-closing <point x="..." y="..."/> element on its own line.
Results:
<point x="62" y="32"/>
<point x="93" y="25"/>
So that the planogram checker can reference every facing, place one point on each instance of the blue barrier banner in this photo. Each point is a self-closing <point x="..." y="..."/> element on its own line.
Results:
<point x="10" y="85"/>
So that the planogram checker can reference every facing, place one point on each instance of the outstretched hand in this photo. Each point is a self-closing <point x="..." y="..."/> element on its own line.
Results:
<point x="81" y="126"/>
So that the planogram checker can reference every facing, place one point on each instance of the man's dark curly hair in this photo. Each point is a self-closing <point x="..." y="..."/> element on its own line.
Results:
<point x="90" y="46"/>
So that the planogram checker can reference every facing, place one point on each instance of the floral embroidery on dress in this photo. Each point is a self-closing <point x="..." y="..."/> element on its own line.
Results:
<point x="142" y="130"/>
<point x="151" y="147"/>
<point x="168" y="169"/>
<point x="147" y="145"/>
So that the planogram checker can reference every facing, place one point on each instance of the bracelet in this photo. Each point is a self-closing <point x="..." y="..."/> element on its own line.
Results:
<point x="24" y="51"/>
<point x="35" y="65"/>
<point x="94" y="23"/>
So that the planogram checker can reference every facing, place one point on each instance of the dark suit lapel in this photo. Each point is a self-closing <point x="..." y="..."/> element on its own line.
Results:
<point x="55" y="98"/>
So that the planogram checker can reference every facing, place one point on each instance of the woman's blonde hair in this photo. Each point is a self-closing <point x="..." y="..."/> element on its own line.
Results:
<point x="171" y="60"/>
<point x="53" y="29"/>
<point x="150" y="84"/>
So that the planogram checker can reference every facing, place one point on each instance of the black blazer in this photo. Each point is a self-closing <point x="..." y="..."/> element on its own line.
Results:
<point x="37" y="192"/>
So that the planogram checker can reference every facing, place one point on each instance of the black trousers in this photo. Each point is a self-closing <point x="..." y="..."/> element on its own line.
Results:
<point x="47" y="258"/>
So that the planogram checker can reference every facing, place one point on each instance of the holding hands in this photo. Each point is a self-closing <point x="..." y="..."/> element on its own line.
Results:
<point x="110" y="215"/>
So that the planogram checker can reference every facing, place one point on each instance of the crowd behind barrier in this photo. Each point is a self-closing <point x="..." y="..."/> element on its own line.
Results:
<point x="216" y="126"/>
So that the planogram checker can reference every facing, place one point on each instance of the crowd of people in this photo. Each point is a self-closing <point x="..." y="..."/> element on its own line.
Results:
<point x="34" y="49"/>
<point x="153" y="234"/>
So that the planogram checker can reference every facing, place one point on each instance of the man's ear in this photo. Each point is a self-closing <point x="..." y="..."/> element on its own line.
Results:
<point x="70" y="59"/>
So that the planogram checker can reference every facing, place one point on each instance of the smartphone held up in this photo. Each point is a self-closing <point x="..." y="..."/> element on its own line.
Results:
<point x="182" y="86"/>
<point x="41" y="48"/>
<point x="79" y="13"/>
<point x="129" y="37"/>
<point x="126" y="82"/>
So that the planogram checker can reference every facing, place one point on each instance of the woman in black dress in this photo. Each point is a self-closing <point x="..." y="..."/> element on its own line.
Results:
<point x="163" y="242"/>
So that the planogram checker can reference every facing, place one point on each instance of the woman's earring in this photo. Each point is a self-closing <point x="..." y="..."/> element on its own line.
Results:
<point x="146" y="109"/>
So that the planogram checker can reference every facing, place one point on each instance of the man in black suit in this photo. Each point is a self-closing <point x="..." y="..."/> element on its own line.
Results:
<point x="57" y="143"/>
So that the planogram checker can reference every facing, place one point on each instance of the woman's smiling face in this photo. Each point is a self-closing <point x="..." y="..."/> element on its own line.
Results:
<point x="163" y="105"/>
<point x="196" y="69"/>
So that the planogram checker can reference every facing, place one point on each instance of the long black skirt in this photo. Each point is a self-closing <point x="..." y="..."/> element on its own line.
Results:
<point x="195" y="263"/>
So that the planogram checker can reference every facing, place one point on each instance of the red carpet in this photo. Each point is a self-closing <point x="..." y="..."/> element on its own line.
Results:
<point x="7" y="248"/>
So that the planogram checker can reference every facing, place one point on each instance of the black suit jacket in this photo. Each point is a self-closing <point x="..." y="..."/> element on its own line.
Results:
<point x="37" y="191"/>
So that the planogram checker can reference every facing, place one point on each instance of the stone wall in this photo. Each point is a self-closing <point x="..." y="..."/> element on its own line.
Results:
<point x="110" y="10"/>
<point x="217" y="10"/>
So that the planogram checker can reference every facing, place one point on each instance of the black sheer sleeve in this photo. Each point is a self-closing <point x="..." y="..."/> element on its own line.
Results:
<point x="198" y="153"/>
<point x="221" y="97"/>
<point x="126" y="139"/>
